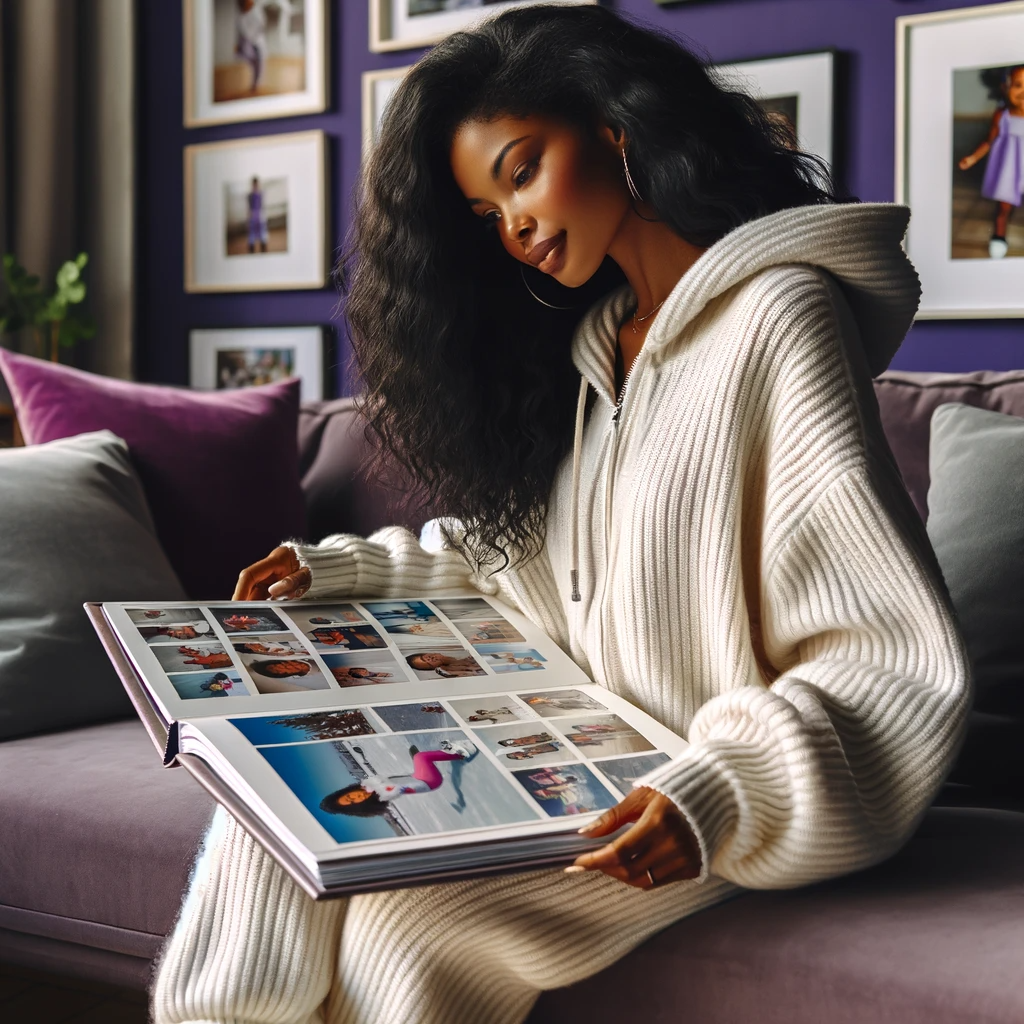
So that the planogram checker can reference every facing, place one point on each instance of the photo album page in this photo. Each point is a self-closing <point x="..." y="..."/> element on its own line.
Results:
<point x="350" y="724"/>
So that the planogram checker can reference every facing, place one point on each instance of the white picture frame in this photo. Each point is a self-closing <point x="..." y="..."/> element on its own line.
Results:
<point x="232" y="247"/>
<point x="392" y="27"/>
<point x="377" y="89"/>
<point x="285" y="48"/>
<point x="807" y="81"/>
<point x="931" y="50"/>
<point x="223" y="358"/>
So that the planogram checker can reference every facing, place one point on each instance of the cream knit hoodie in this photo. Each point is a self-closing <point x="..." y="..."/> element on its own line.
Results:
<point x="751" y="573"/>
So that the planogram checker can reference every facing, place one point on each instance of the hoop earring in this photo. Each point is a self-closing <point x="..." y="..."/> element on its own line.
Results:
<point x="526" y="284"/>
<point x="633" y="190"/>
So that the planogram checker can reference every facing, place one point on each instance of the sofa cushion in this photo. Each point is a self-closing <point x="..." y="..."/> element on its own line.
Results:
<point x="220" y="468"/>
<point x="345" y="492"/>
<point x="74" y="527"/>
<point x="96" y="838"/>
<point x="976" y="525"/>
<point x="907" y="400"/>
<point x="933" y="936"/>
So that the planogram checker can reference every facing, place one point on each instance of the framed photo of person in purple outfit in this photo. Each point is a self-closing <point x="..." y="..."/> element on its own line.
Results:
<point x="254" y="59"/>
<point x="256" y="214"/>
<point x="960" y="157"/>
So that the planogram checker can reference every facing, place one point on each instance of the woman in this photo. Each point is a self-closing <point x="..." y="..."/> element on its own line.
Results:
<point x="678" y="473"/>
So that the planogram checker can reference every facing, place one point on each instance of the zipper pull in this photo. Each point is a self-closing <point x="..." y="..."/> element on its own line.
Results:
<point x="618" y="409"/>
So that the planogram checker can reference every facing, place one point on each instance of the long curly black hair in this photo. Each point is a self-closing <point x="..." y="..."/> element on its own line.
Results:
<point x="469" y="381"/>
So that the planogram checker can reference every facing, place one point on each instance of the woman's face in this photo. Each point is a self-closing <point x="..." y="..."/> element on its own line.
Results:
<point x="1015" y="89"/>
<point x="556" y="198"/>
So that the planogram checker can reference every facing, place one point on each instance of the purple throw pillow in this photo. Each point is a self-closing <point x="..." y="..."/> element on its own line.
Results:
<point x="220" y="469"/>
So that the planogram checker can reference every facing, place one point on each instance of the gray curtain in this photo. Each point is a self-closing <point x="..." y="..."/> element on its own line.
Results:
<point x="69" y="155"/>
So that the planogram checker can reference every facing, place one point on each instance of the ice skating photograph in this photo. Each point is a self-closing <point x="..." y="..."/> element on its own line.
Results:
<point x="401" y="613"/>
<point x="260" y="730"/>
<point x="466" y="608"/>
<point x="409" y="784"/>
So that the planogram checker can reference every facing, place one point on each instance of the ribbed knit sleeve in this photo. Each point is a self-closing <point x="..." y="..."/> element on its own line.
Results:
<point x="829" y="768"/>
<point x="391" y="562"/>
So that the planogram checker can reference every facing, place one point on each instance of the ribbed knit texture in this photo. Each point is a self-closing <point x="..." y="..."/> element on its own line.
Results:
<point x="752" y="575"/>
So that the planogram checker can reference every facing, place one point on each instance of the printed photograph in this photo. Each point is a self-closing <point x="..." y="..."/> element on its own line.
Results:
<point x="287" y="674"/>
<point x="259" y="48"/>
<point x="190" y="629"/>
<point x="553" y="703"/>
<point x="192" y="657"/>
<point x="489" y="631"/>
<point x="566" y="789"/>
<point x="441" y="661"/>
<point x="401" y="613"/>
<point x="163" y="616"/>
<point x="345" y="638"/>
<point x="505" y="658"/>
<point x="419" y="715"/>
<point x="382" y="786"/>
<point x="604" y="735"/>
<point x="208" y="684"/>
<point x="527" y="742"/>
<point x="251" y="367"/>
<point x="364" y="668"/>
<point x="314" y="725"/>
<point x="307" y="618"/>
<point x="493" y="709"/>
<point x="466" y="608"/>
<point x="784" y="111"/>
<point x="271" y="643"/>
<point x="256" y="216"/>
<point x="988" y="162"/>
<point x="624" y="771"/>
<point x="249" y="620"/>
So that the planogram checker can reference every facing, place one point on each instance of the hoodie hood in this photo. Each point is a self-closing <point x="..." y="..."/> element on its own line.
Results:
<point x="858" y="244"/>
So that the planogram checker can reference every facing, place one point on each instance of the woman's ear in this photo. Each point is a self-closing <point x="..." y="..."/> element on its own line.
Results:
<point x="613" y="134"/>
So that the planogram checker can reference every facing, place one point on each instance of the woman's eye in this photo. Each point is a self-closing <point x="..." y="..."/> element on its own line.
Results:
<point x="524" y="174"/>
<point x="491" y="218"/>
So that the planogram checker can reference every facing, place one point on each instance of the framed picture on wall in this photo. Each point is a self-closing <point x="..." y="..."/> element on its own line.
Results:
<point x="242" y="357"/>
<point x="254" y="59"/>
<point x="256" y="214"/>
<point x="408" y="24"/>
<point x="960" y="157"/>
<point x="798" y="91"/>
<point x="377" y="89"/>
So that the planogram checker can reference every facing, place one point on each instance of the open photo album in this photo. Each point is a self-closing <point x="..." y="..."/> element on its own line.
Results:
<point x="377" y="743"/>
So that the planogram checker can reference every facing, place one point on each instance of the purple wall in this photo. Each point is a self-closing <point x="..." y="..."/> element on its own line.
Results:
<point x="727" y="29"/>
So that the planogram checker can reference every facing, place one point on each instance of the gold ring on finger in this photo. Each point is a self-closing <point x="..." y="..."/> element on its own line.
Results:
<point x="651" y="878"/>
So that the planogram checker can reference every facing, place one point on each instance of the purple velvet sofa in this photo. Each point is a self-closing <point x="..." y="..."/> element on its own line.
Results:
<point x="936" y="934"/>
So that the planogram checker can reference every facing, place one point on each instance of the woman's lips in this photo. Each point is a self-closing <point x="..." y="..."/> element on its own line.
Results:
<point x="549" y="255"/>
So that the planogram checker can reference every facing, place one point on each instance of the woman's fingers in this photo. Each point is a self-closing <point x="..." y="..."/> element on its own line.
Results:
<point x="622" y="813"/>
<point x="292" y="586"/>
<point x="254" y="582"/>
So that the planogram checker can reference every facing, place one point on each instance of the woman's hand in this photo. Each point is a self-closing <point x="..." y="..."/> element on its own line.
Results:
<point x="279" y="576"/>
<point x="660" y="842"/>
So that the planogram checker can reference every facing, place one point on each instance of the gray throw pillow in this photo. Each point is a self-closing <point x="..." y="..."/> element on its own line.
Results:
<point x="976" y="525"/>
<point x="74" y="527"/>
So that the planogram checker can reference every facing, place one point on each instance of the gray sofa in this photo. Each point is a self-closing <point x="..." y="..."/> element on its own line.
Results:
<point x="96" y="840"/>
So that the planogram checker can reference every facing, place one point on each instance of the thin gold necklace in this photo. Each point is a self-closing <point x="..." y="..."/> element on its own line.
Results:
<point x="646" y="316"/>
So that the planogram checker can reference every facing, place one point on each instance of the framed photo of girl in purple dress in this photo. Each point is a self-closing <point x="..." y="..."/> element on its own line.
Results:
<point x="960" y="157"/>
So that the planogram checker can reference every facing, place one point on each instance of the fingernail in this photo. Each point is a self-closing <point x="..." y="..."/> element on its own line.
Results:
<point x="574" y="869"/>
<point x="588" y="828"/>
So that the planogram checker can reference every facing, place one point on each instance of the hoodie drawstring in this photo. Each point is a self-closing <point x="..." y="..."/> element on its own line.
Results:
<point x="574" y="505"/>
